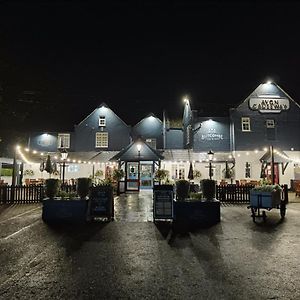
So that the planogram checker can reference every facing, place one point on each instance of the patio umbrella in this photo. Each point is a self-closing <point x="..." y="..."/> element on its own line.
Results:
<point x="191" y="172"/>
<point x="227" y="173"/>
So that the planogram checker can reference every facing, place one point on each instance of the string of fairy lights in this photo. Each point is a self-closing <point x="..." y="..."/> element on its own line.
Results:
<point x="20" y="151"/>
<point x="55" y="157"/>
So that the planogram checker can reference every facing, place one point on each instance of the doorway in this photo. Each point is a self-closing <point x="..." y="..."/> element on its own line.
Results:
<point x="133" y="176"/>
<point x="146" y="177"/>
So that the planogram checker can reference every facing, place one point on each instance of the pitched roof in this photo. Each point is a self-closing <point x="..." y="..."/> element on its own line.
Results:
<point x="279" y="157"/>
<point x="260" y="90"/>
<point x="131" y="153"/>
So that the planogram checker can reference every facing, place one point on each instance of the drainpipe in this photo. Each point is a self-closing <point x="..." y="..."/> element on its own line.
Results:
<point x="272" y="165"/>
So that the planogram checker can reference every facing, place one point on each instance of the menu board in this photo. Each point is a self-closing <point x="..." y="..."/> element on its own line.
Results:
<point x="163" y="204"/>
<point x="101" y="203"/>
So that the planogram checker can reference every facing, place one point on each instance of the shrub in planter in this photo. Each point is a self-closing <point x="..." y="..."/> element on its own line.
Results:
<point x="208" y="188"/>
<point x="83" y="186"/>
<point x="182" y="189"/>
<point x="51" y="187"/>
<point x="161" y="175"/>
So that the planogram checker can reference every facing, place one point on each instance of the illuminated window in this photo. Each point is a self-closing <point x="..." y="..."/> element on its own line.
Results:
<point x="270" y="123"/>
<point x="102" y="121"/>
<point x="63" y="140"/>
<point x="151" y="143"/>
<point x="246" y="124"/>
<point x="101" y="139"/>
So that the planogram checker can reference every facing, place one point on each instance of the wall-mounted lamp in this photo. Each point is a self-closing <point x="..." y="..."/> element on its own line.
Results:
<point x="139" y="147"/>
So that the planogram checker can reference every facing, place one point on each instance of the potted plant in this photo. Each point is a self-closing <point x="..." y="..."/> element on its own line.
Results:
<point x="117" y="175"/>
<point x="269" y="195"/>
<point x="182" y="189"/>
<point x="66" y="207"/>
<point x="51" y="187"/>
<point x="208" y="188"/>
<point x="199" y="210"/>
<point x="161" y="175"/>
<point x="83" y="186"/>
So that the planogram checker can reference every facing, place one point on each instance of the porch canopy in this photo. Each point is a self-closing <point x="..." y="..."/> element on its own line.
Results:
<point x="279" y="157"/>
<point x="137" y="151"/>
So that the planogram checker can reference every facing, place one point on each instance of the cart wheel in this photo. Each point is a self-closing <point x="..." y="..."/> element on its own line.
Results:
<point x="253" y="214"/>
<point x="264" y="216"/>
<point x="282" y="210"/>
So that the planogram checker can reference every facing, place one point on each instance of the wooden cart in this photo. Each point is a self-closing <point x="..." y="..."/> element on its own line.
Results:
<point x="260" y="202"/>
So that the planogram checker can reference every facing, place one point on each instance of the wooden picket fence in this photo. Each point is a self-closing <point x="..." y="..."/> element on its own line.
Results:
<point x="229" y="193"/>
<point x="21" y="194"/>
<point x="27" y="193"/>
<point x="232" y="193"/>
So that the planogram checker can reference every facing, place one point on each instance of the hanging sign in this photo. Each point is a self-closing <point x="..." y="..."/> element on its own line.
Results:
<point x="269" y="105"/>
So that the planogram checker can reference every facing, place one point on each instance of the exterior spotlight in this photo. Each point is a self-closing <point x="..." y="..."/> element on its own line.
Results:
<point x="269" y="82"/>
<point x="186" y="100"/>
<point x="139" y="147"/>
<point x="265" y="149"/>
<point x="292" y="149"/>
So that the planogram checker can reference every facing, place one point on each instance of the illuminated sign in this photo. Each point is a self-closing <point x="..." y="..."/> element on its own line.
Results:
<point x="269" y="105"/>
<point x="212" y="135"/>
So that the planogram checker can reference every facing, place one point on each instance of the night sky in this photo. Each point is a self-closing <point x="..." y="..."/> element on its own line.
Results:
<point x="59" y="61"/>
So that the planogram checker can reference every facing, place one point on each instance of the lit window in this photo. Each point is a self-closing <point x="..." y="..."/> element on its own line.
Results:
<point x="63" y="140"/>
<point x="270" y="123"/>
<point x="101" y="139"/>
<point x="246" y="124"/>
<point x="151" y="143"/>
<point x="102" y="121"/>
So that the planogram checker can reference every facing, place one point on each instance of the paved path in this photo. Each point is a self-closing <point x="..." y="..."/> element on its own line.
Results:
<point x="235" y="259"/>
<point x="134" y="207"/>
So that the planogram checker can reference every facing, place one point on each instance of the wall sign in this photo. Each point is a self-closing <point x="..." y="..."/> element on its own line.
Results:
<point x="269" y="105"/>
<point x="212" y="135"/>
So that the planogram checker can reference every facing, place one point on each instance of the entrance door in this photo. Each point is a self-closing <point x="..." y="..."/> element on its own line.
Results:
<point x="146" y="176"/>
<point x="133" y="177"/>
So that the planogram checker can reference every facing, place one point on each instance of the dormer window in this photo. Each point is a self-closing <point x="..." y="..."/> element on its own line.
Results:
<point x="270" y="123"/>
<point x="63" y="140"/>
<point x="102" y="121"/>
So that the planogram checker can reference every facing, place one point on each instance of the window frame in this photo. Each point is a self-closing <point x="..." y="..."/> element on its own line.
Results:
<point x="99" y="139"/>
<point x="246" y="121"/>
<point x="268" y="125"/>
<point x="65" y="145"/>
<point x="102" y="121"/>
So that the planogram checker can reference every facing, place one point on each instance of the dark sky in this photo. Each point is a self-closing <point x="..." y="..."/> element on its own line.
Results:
<point x="141" y="56"/>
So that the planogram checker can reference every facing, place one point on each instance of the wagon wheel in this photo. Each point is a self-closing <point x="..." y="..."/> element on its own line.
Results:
<point x="282" y="210"/>
<point x="253" y="214"/>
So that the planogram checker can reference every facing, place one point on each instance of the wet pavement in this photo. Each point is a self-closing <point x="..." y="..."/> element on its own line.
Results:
<point x="134" y="207"/>
<point x="134" y="259"/>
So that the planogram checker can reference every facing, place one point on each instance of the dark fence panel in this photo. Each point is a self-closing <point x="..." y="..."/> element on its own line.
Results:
<point x="21" y="193"/>
<point x="232" y="193"/>
<point x="27" y="193"/>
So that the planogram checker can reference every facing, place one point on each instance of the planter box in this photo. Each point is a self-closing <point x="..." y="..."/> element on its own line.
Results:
<point x="55" y="211"/>
<point x="193" y="213"/>
<point x="265" y="199"/>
